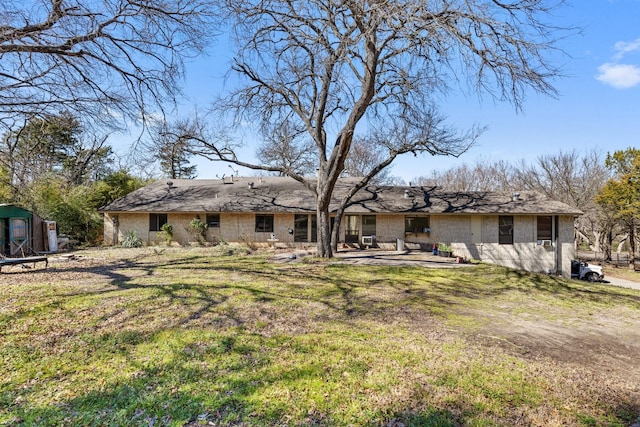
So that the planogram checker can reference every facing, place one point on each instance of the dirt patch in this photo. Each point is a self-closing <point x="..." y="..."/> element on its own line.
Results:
<point x="606" y="345"/>
<point x="377" y="257"/>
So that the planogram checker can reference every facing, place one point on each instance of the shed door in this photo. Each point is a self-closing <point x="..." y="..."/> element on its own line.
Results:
<point x="3" y="239"/>
<point x="476" y="229"/>
<point x="18" y="236"/>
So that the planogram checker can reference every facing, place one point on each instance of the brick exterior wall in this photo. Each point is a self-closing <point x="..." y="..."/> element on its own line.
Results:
<point x="456" y="230"/>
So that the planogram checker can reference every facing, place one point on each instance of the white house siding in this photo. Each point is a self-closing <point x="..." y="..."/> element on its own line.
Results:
<point x="180" y="223"/>
<point x="525" y="253"/>
<point x="566" y="244"/>
<point x="108" y="230"/>
<point x="450" y="229"/>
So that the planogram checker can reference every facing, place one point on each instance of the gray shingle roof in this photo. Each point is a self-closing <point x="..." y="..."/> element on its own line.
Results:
<point x="285" y="195"/>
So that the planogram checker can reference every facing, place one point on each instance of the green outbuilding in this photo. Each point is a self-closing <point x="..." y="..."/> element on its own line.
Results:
<point x="20" y="231"/>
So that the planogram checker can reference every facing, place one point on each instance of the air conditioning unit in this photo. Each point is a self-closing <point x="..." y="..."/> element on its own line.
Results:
<point x="367" y="240"/>
<point x="546" y="243"/>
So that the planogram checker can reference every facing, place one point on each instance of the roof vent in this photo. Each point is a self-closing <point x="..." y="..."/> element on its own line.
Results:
<point x="250" y="185"/>
<point x="169" y="185"/>
<point x="515" y="197"/>
<point x="406" y="194"/>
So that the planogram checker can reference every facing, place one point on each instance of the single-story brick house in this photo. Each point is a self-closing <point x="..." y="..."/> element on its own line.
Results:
<point x="523" y="230"/>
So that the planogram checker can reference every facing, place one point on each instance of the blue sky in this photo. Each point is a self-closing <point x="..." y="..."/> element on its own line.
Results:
<point x="598" y="104"/>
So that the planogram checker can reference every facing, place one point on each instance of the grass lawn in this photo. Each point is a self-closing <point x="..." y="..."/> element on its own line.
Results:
<point x="209" y="337"/>
<point x="622" y="272"/>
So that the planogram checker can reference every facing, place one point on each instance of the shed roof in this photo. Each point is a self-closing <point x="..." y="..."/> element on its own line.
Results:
<point x="285" y="195"/>
<point x="13" y="211"/>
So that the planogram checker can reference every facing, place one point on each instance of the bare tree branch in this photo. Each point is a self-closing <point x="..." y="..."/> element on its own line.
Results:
<point x="99" y="60"/>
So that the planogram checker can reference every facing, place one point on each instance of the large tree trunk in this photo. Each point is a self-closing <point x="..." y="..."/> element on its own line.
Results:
<point x="335" y="232"/>
<point x="324" y="233"/>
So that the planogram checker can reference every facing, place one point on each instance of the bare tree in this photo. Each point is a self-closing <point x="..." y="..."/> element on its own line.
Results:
<point x="620" y="195"/>
<point x="97" y="59"/>
<point x="365" y="154"/>
<point x="287" y="148"/>
<point x="575" y="179"/>
<point x="572" y="177"/>
<point x="333" y="65"/>
<point x="484" y="175"/>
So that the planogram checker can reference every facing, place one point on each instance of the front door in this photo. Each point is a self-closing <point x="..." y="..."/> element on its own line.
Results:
<point x="351" y="229"/>
<point x="301" y="228"/>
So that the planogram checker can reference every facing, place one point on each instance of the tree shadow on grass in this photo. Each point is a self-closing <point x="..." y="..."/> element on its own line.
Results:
<point x="189" y="388"/>
<point x="159" y="394"/>
<point x="186" y="390"/>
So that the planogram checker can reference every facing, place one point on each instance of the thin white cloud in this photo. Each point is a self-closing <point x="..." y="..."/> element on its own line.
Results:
<point x="616" y="74"/>
<point x="620" y="76"/>
<point x="622" y="48"/>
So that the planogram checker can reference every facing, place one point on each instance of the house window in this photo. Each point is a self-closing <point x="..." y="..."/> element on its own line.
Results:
<point x="301" y="228"/>
<point x="505" y="230"/>
<point x="545" y="227"/>
<point x="351" y="229"/>
<point x="156" y="221"/>
<point x="213" y="220"/>
<point x="416" y="224"/>
<point x="368" y="225"/>
<point x="264" y="223"/>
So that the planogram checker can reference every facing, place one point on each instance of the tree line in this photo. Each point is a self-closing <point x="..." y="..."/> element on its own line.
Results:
<point x="56" y="169"/>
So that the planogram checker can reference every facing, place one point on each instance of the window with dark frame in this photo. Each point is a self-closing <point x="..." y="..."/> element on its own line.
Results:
<point x="545" y="227"/>
<point x="416" y="224"/>
<point x="368" y="225"/>
<point x="213" y="220"/>
<point x="505" y="230"/>
<point x="301" y="228"/>
<point x="351" y="228"/>
<point x="264" y="223"/>
<point x="156" y="221"/>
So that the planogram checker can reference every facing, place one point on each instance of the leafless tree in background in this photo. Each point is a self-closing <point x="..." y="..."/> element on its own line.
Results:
<point x="334" y="65"/>
<point x="287" y="148"/>
<point x="484" y="175"/>
<point x="365" y="154"/>
<point x="163" y="149"/>
<point x="572" y="177"/>
<point x="100" y="60"/>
